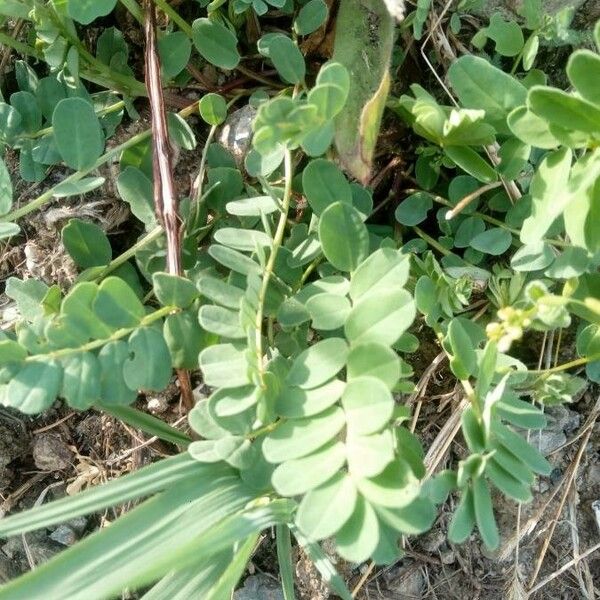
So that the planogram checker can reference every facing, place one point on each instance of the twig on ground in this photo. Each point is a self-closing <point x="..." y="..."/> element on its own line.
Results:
<point x="564" y="568"/>
<point x="569" y="479"/>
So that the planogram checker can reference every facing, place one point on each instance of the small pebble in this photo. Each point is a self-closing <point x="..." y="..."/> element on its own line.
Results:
<point x="51" y="452"/>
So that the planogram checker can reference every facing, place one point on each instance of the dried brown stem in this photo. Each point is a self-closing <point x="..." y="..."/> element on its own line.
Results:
<point x="165" y="200"/>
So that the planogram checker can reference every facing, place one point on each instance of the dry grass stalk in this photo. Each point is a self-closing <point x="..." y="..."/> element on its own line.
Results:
<point x="165" y="200"/>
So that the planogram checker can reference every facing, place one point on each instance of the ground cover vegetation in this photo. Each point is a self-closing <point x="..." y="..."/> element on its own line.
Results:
<point x="278" y="274"/>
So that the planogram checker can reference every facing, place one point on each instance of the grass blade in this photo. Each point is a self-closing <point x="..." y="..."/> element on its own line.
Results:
<point x="192" y="582"/>
<point x="147" y="423"/>
<point x="148" y="480"/>
<point x="284" y="557"/>
<point x="231" y="575"/>
<point x="323" y="564"/>
<point x="140" y="547"/>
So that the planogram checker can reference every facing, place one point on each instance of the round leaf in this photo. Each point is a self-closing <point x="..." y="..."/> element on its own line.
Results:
<point x="213" y="109"/>
<point x="494" y="241"/>
<point x="215" y="43"/>
<point x="299" y="476"/>
<point x="85" y="11"/>
<point x="311" y="16"/>
<point x="318" y="364"/>
<point x="344" y="237"/>
<point x="86" y="243"/>
<point x="287" y="59"/>
<point x="82" y="144"/>
<point x="324" y="184"/>
<point x="368" y="405"/>
<point x="149" y="365"/>
<point x="296" y="438"/>
<point x="174" y="50"/>
<point x="374" y="360"/>
<point x="414" y="209"/>
<point x="294" y="402"/>
<point x="381" y="317"/>
<point x="328" y="311"/>
<point x="359" y="537"/>
<point x="324" y="511"/>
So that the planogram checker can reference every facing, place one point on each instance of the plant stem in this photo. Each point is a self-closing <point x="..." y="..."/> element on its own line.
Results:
<point x="578" y="362"/>
<point x="493" y="221"/>
<point x="433" y="243"/>
<point x="20" y="47"/>
<point x="128" y="254"/>
<point x="277" y="241"/>
<point x="174" y="16"/>
<point x="134" y="9"/>
<point x="117" y="335"/>
<point x="199" y="183"/>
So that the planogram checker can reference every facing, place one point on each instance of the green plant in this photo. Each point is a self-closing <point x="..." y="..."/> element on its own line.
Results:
<point x="294" y="307"/>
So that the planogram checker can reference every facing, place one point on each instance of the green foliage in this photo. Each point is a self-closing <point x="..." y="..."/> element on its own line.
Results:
<point x="296" y="302"/>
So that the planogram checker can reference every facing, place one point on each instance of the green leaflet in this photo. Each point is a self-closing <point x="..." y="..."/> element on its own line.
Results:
<point x="484" y="513"/>
<point x="86" y="243"/>
<point x="380" y="317"/>
<point x="372" y="359"/>
<point x="324" y="184"/>
<point x="368" y="405"/>
<point x="551" y="177"/>
<point x="299" y="437"/>
<point x="301" y="475"/>
<point x="318" y="364"/>
<point x="480" y="85"/>
<point x="149" y="364"/>
<point x="325" y="510"/>
<point x="34" y="388"/>
<point x="85" y="11"/>
<point x="215" y="43"/>
<point x="79" y="146"/>
<point x="174" y="50"/>
<point x="359" y="537"/>
<point x="344" y="237"/>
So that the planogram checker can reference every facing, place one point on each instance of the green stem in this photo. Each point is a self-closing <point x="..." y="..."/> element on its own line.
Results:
<point x="202" y="170"/>
<point x="20" y="47"/>
<point x="135" y="10"/>
<point x="128" y="254"/>
<point x="174" y="16"/>
<point x="433" y="243"/>
<point x="117" y="335"/>
<point x="496" y="222"/>
<point x="49" y="194"/>
<point x="578" y="362"/>
<point x="277" y="241"/>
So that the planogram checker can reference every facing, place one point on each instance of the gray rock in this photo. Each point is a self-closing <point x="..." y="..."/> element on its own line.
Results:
<point x="64" y="535"/>
<point x="561" y="421"/>
<point x="51" y="453"/>
<point x="548" y="440"/>
<point x="236" y="133"/>
<point x="259" y="587"/>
